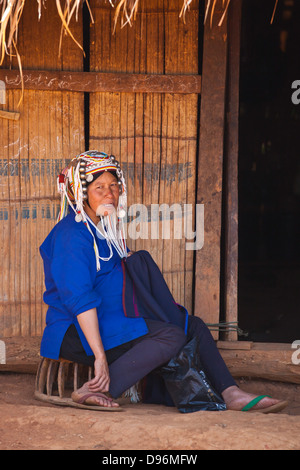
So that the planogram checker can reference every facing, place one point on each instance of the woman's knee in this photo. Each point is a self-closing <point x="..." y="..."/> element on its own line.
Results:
<point x="197" y="327"/>
<point x="175" y="338"/>
<point x="170" y="337"/>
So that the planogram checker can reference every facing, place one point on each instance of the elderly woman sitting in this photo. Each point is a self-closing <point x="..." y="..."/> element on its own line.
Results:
<point x="85" y="320"/>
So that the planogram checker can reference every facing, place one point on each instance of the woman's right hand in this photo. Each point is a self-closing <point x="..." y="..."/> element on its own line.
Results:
<point x="88" y="322"/>
<point x="101" y="381"/>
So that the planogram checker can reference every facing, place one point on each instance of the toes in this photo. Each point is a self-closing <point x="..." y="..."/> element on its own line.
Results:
<point x="102" y="401"/>
<point x="97" y="399"/>
<point x="265" y="403"/>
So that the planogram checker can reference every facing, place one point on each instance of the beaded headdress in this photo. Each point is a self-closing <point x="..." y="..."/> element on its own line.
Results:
<point x="72" y="184"/>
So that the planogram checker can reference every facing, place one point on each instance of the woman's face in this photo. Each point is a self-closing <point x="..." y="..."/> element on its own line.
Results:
<point x="101" y="192"/>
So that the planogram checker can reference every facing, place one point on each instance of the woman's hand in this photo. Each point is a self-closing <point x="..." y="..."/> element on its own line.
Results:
<point x="88" y="322"/>
<point x="101" y="381"/>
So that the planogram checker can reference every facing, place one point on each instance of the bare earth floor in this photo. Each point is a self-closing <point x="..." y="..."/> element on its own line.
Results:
<point x="27" y="424"/>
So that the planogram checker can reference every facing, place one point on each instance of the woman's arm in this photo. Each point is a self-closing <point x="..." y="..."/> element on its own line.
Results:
<point x="88" y="322"/>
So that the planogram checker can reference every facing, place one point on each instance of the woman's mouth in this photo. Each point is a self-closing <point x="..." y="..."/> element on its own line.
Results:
<point x="105" y="209"/>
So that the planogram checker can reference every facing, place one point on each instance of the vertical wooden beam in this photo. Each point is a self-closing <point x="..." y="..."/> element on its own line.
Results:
<point x="210" y="167"/>
<point x="231" y="168"/>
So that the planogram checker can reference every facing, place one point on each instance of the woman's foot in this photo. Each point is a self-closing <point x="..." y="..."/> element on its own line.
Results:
<point x="84" y="396"/>
<point x="236" y="399"/>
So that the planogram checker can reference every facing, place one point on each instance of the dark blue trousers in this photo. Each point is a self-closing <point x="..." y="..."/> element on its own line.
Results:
<point x="210" y="358"/>
<point x="130" y="362"/>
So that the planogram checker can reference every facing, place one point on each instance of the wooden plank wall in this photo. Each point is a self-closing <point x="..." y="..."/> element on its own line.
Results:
<point x="32" y="151"/>
<point x="153" y="135"/>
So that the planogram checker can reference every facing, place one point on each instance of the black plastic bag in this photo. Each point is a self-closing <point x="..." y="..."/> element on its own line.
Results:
<point x="187" y="384"/>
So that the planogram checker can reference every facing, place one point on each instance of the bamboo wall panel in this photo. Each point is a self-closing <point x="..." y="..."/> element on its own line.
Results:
<point x="33" y="150"/>
<point x="153" y="135"/>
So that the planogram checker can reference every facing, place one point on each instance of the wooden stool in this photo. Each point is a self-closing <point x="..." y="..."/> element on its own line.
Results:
<point x="52" y="379"/>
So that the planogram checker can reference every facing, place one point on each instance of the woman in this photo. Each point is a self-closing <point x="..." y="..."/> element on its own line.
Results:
<point x="84" y="283"/>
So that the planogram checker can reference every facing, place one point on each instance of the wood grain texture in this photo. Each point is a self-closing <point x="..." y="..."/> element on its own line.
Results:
<point x="143" y="87"/>
<point x="33" y="149"/>
<point x="154" y="135"/>
<point x="210" y="169"/>
<point x="231" y="169"/>
<point x="100" y="82"/>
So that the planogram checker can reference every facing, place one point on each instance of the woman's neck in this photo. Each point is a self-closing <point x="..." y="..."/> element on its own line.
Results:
<point x="92" y="215"/>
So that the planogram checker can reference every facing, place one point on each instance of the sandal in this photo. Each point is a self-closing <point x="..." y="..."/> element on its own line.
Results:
<point x="270" y="409"/>
<point x="81" y="403"/>
<point x="55" y="400"/>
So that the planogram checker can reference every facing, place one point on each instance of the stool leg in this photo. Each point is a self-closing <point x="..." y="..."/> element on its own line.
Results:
<point x="41" y="376"/>
<point x="75" y="383"/>
<point x="62" y="372"/>
<point x="52" y="369"/>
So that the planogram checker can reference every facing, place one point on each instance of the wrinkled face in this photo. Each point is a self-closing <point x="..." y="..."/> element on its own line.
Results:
<point x="103" y="196"/>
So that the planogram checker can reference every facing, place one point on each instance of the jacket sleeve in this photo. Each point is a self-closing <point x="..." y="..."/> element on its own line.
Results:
<point x="73" y="268"/>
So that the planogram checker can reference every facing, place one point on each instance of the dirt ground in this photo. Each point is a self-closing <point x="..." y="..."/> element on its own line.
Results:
<point x="27" y="424"/>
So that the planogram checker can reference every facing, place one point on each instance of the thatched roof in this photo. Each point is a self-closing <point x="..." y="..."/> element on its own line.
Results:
<point x="125" y="12"/>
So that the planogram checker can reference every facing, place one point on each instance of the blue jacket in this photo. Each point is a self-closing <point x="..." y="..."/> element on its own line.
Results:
<point x="73" y="286"/>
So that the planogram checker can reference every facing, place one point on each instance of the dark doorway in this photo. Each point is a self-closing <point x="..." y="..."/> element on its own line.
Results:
<point x="269" y="172"/>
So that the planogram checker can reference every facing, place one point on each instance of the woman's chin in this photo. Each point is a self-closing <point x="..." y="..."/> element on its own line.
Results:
<point x="105" y="209"/>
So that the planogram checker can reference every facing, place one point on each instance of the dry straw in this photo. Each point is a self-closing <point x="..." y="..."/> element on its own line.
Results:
<point x="125" y="11"/>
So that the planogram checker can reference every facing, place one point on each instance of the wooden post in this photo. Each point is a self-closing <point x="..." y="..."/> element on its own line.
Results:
<point x="231" y="168"/>
<point x="210" y="167"/>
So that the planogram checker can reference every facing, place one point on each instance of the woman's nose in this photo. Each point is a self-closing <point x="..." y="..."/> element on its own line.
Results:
<point x="108" y="192"/>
